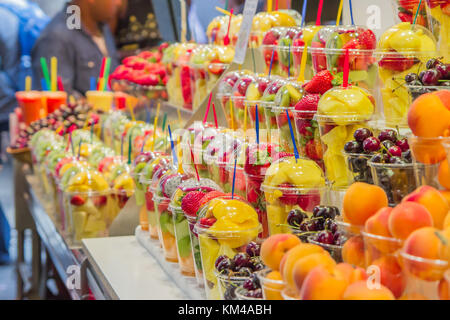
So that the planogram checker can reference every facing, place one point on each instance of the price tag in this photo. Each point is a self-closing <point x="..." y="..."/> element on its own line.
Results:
<point x="244" y="32"/>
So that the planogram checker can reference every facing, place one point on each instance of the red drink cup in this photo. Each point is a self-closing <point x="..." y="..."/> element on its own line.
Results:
<point x="30" y="102"/>
<point x="55" y="99"/>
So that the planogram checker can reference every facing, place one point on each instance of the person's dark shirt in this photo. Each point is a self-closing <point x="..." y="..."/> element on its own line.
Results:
<point x="79" y="57"/>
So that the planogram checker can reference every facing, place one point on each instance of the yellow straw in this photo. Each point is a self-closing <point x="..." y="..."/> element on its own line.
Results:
<point x="28" y="83"/>
<point x="245" y="117"/>
<point x="338" y="19"/>
<point x="225" y="12"/>
<point x="232" y="115"/>
<point x="155" y="124"/>
<point x="100" y="83"/>
<point x="301" y="77"/>
<point x="130" y="107"/>
<point x="54" y="73"/>
<point x="269" y="5"/>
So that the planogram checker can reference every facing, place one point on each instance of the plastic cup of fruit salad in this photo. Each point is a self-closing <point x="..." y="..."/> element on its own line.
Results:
<point x="152" y="217"/>
<point x="438" y="14"/>
<point x="283" y="127"/>
<point x="216" y="243"/>
<point x="237" y="99"/>
<point x="183" y="239"/>
<point x="166" y="228"/>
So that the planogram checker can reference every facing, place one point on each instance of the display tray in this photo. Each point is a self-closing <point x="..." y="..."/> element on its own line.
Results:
<point x="187" y="284"/>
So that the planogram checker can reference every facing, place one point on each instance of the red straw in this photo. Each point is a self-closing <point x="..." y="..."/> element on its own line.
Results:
<point x="276" y="5"/>
<point x="346" y="69"/>
<point x="60" y="84"/>
<point x="193" y="162"/>
<point x="102" y="69"/>
<point x="207" y="109"/>
<point x="319" y="13"/>
<point x="226" y="40"/>
<point x="215" y="116"/>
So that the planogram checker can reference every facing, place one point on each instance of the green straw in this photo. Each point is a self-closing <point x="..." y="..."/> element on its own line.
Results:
<point x="164" y="122"/>
<point x="417" y="12"/>
<point x="45" y="71"/>
<point x="129" y="150"/>
<point x="106" y="75"/>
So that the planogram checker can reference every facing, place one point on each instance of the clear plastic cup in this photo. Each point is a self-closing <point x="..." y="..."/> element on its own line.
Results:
<point x="30" y="102"/>
<point x="242" y="294"/>
<point x="183" y="240"/>
<point x="335" y="251"/>
<point x="382" y="252"/>
<point x="318" y="44"/>
<point x="291" y="184"/>
<point x="283" y="127"/>
<point x="100" y="100"/>
<point x="272" y="289"/>
<point x="255" y="196"/>
<point x="439" y="23"/>
<point x="237" y="99"/>
<point x="166" y="228"/>
<point x="402" y="49"/>
<point x="224" y="241"/>
<point x="405" y="11"/>
<point x="397" y="180"/>
<point x="308" y="136"/>
<point x="287" y="294"/>
<point x="54" y="100"/>
<point x="255" y="92"/>
<point x="359" y="169"/>
<point x="428" y="155"/>
<point x="340" y="113"/>
<point x="269" y="46"/>
<point x="423" y="276"/>
<point x="198" y="266"/>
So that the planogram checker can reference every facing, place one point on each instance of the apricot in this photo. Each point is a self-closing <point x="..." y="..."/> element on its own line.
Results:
<point x="433" y="201"/>
<point x="360" y="291"/>
<point x="444" y="174"/>
<point x="427" y="151"/>
<point x="304" y="265"/>
<point x="349" y="272"/>
<point x="426" y="243"/>
<point x="361" y="201"/>
<point x="429" y="115"/>
<point x="273" y="286"/>
<point x="446" y="223"/>
<point x="444" y="289"/>
<point x="274" y="248"/>
<point x="323" y="284"/>
<point x="407" y="217"/>
<point x="353" y="251"/>
<point x="378" y="223"/>
<point x="413" y="296"/>
<point x="391" y="274"/>
<point x="291" y="257"/>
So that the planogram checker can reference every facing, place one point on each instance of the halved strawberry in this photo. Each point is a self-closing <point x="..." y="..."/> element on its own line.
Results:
<point x="313" y="150"/>
<point x="288" y="198"/>
<point x="207" y="222"/>
<point x="149" y="202"/>
<point x="191" y="202"/>
<point x="320" y="83"/>
<point x="99" y="201"/>
<point x="77" y="201"/>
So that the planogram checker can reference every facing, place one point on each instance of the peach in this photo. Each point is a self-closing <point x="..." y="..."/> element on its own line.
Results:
<point x="361" y="201"/>
<point x="304" y="265"/>
<point x="407" y="217"/>
<point x="272" y="289"/>
<point x="291" y="257"/>
<point x="444" y="174"/>
<point x="412" y="296"/>
<point x="378" y="223"/>
<point x="323" y="284"/>
<point x="274" y="248"/>
<point x="349" y="272"/>
<point x="360" y="291"/>
<point x="427" y="150"/>
<point x="433" y="201"/>
<point x="391" y="274"/>
<point x="446" y="223"/>
<point x="429" y="115"/>
<point x="353" y="251"/>
<point x="426" y="243"/>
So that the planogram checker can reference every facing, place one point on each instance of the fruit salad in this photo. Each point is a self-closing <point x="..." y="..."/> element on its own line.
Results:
<point x="198" y="61"/>
<point x="225" y="227"/>
<point x="303" y="37"/>
<point x="219" y="59"/>
<point x="403" y="49"/>
<point x="182" y="222"/>
<point x="289" y="184"/>
<point x="438" y="12"/>
<point x="269" y="45"/>
<point x="341" y="111"/>
<point x="237" y="99"/>
<point x="268" y="102"/>
<point x="318" y="44"/>
<point x="253" y="97"/>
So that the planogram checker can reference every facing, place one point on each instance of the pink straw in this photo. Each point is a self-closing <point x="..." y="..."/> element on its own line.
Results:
<point x="346" y="69"/>
<point x="215" y="116"/>
<point x="319" y="13"/>
<point x="207" y="109"/>
<point x="226" y="40"/>
<point x="60" y="84"/>
<point x="193" y="162"/>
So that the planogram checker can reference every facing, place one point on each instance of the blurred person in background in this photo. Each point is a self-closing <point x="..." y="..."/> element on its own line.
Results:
<point x="79" y="50"/>
<point x="22" y="22"/>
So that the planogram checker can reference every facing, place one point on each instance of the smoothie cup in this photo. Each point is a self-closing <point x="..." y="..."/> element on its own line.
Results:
<point x="55" y="99"/>
<point x="100" y="100"/>
<point x="30" y="102"/>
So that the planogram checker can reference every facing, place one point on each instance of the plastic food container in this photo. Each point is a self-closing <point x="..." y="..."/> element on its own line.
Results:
<point x="184" y="248"/>
<point x="359" y="169"/>
<point x="237" y="99"/>
<point x="269" y="46"/>
<point x="272" y="289"/>
<point x="439" y="23"/>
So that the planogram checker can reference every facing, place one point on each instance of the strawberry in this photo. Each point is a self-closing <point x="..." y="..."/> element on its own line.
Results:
<point x="288" y="199"/>
<point x="207" y="222"/>
<point x="396" y="62"/>
<point x="191" y="202"/>
<point x="163" y="206"/>
<point x="313" y="150"/>
<point x="320" y="83"/>
<point x="209" y="196"/>
<point x="77" y="201"/>
<point x="99" y="201"/>
<point x="368" y="40"/>
<point x="304" y="127"/>
<point x="252" y="195"/>
<point x="445" y="7"/>
<point x="281" y="155"/>
<point x="149" y="202"/>
<point x="309" y="102"/>
<point x="405" y="17"/>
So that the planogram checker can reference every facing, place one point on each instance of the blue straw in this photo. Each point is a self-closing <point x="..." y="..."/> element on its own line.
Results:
<point x="234" y="177"/>
<point x="93" y="84"/>
<point x="351" y="12"/>
<point x="305" y="4"/>
<point x="292" y="135"/>
<point x="44" y="85"/>
<point x="174" y="154"/>
<point x="271" y="61"/>
<point x="257" y="125"/>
